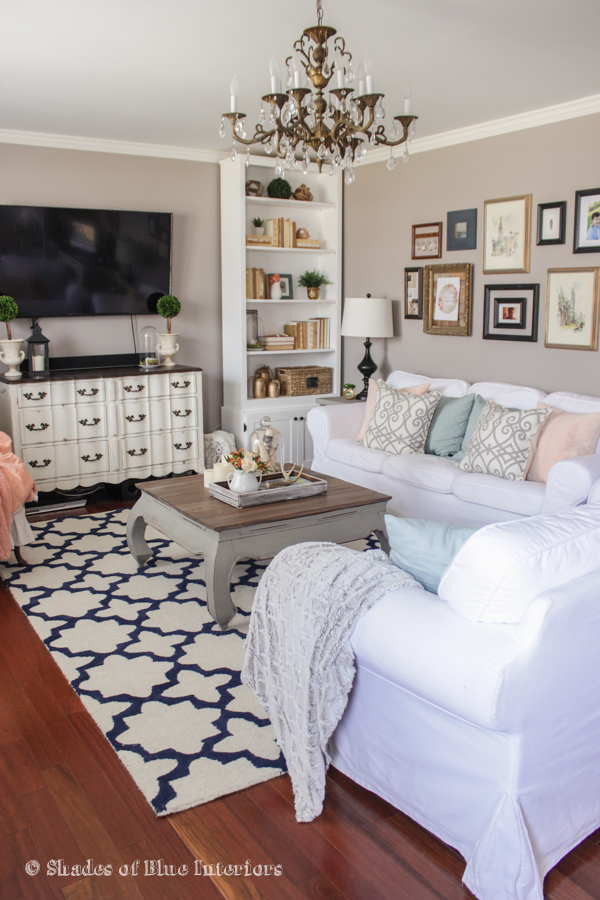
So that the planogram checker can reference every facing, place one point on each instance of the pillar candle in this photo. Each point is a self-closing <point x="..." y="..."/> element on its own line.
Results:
<point x="221" y="470"/>
<point x="38" y="363"/>
<point x="209" y="476"/>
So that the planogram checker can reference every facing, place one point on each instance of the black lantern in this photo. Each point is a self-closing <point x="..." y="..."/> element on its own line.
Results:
<point x="37" y="352"/>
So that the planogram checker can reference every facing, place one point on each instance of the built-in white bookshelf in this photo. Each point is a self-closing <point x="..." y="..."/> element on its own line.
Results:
<point x="322" y="217"/>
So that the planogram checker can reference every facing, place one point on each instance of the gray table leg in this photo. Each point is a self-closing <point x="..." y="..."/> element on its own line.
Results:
<point x="136" y="528"/>
<point x="219" y="560"/>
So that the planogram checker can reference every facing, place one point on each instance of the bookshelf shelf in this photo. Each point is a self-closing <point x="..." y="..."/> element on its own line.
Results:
<point x="289" y="352"/>
<point x="267" y="249"/>
<point x="304" y="205"/>
<point x="289" y="302"/>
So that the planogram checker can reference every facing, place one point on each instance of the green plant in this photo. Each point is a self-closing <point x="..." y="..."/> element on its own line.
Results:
<point x="312" y="279"/>
<point x="258" y="223"/>
<point x="349" y="387"/>
<point x="168" y="307"/>
<point x="279" y="188"/>
<point x="8" y="311"/>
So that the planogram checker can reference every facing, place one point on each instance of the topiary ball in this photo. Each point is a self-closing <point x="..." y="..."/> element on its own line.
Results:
<point x="8" y="309"/>
<point x="168" y="306"/>
<point x="280" y="188"/>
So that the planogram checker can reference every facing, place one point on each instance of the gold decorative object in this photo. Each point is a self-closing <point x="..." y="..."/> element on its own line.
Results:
<point x="302" y="193"/>
<point x="303" y="234"/>
<point x="254" y="189"/>
<point x="338" y="129"/>
<point x="265" y="373"/>
<point x="287" y="475"/>
<point x="259" y="387"/>
<point x="273" y="388"/>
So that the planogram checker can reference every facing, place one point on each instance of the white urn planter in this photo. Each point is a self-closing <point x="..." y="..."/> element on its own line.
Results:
<point x="243" y="482"/>
<point x="167" y="346"/>
<point x="12" y="356"/>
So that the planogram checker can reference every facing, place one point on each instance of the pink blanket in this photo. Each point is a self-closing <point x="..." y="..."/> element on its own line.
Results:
<point x="16" y="487"/>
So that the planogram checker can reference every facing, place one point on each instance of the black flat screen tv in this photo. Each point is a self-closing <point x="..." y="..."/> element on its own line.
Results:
<point x="84" y="262"/>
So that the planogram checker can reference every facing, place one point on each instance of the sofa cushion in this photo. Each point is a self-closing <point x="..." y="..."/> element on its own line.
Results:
<point x="423" y="548"/>
<point x="524" y="498"/>
<point x="400" y="421"/>
<point x="433" y="473"/>
<point x="564" y="435"/>
<point x="346" y="450"/>
<point x="372" y="397"/>
<point x="476" y="411"/>
<point x="503" y="442"/>
<point x="578" y="403"/>
<point x="448" y="426"/>
<point x="508" y="394"/>
<point x="498" y="572"/>
<point x="448" y="387"/>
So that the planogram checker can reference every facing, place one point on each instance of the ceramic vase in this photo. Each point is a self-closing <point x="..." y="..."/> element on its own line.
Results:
<point x="243" y="482"/>
<point x="167" y="346"/>
<point x="12" y="356"/>
<point x="276" y="290"/>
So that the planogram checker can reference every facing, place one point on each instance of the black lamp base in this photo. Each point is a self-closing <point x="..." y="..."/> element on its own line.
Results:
<point x="367" y="369"/>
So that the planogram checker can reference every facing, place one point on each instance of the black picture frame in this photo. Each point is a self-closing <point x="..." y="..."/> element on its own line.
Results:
<point x="521" y="294"/>
<point x="456" y="217"/>
<point x="500" y="322"/>
<point x="409" y="303"/>
<point x="580" y="244"/>
<point x="561" y="207"/>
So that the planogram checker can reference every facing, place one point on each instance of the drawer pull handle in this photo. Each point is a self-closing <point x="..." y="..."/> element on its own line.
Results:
<point x="138" y="452"/>
<point x="140" y="418"/>
<point x="88" y="458"/>
<point x="181" y="447"/>
<point x="129" y="388"/>
<point x="91" y="424"/>
<point x="42" y="427"/>
<point x="36" y="465"/>
<point x="83" y="392"/>
<point x="176" y="384"/>
<point x="182" y="415"/>
<point x="40" y="396"/>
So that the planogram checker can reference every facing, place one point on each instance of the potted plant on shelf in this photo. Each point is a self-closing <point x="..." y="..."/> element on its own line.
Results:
<point x="10" y="353"/>
<point x="258" y="225"/>
<point x="168" y="307"/>
<point x="312" y="281"/>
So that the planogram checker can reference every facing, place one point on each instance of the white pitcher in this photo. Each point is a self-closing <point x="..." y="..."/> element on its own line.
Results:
<point x="243" y="482"/>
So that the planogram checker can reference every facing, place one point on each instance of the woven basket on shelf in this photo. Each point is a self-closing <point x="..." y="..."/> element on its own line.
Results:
<point x="299" y="380"/>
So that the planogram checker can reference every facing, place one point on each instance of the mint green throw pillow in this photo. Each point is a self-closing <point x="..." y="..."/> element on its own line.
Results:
<point x="448" y="425"/>
<point x="476" y="411"/>
<point x="425" y="549"/>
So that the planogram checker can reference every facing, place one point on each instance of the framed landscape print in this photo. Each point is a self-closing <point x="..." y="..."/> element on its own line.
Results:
<point x="461" y="229"/>
<point x="427" y="241"/>
<point x="551" y="223"/>
<point x="586" y="238"/>
<point x="506" y="235"/>
<point x="447" y="299"/>
<point x="413" y="293"/>
<point x="510" y="312"/>
<point x="572" y="301"/>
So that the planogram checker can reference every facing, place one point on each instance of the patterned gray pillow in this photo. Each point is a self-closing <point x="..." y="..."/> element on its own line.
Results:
<point x="400" y="421"/>
<point x="504" y="441"/>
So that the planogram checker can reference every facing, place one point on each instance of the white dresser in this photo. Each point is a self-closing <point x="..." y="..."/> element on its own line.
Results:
<point x="81" y="427"/>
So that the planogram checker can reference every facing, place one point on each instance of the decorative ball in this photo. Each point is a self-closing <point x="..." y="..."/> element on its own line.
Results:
<point x="279" y="188"/>
<point x="302" y="233"/>
<point x="254" y="188"/>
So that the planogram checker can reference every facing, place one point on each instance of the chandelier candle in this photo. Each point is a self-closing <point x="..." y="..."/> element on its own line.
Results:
<point x="301" y="120"/>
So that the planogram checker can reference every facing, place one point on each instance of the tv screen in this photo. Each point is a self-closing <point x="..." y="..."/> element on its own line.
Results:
<point x="84" y="262"/>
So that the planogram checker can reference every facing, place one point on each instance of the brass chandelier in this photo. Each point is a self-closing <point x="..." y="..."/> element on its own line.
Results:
<point x="338" y="128"/>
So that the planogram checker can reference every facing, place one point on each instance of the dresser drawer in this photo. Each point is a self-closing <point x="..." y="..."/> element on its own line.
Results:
<point x="34" y="395"/>
<point x="93" y="390"/>
<point x="136" y="451"/>
<point x="91" y="421"/>
<point x="92" y="457"/>
<point x="183" y="412"/>
<point x="134" y="388"/>
<point x="184" y="445"/>
<point x="182" y="384"/>
<point x="36" y="426"/>
<point x="136" y="417"/>
<point x="41" y="461"/>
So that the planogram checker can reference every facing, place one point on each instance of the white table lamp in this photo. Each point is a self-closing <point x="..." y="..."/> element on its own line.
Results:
<point x="372" y="316"/>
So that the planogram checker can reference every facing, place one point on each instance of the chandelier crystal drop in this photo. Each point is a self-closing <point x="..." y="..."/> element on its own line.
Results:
<point x="340" y="126"/>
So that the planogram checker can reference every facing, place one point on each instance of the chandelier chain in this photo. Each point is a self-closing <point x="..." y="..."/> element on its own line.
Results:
<point x="319" y="12"/>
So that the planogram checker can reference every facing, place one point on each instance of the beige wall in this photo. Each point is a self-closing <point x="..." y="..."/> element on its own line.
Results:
<point x="550" y="162"/>
<point x="40" y="176"/>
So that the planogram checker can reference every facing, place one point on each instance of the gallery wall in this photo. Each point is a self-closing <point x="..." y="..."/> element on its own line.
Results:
<point x="550" y="162"/>
<point x="39" y="176"/>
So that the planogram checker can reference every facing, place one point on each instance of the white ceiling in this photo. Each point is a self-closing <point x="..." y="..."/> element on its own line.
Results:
<point x="158" y="71"/>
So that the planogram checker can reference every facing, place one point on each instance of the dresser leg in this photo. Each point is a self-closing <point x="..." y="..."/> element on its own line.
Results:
<point x="219" y="561"/>
<point x="136" y="528"/>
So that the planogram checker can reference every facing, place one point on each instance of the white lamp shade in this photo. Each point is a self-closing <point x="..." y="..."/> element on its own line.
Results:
<point x="367" y="317"/>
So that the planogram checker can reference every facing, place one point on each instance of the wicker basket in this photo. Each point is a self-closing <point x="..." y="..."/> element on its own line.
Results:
<point x="299" y="380"/>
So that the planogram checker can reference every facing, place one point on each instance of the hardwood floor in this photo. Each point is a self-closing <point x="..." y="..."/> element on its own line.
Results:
<point x="64" y="795"/>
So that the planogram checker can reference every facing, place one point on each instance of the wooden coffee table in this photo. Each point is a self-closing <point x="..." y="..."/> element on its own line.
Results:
<point x="183" y="511"/>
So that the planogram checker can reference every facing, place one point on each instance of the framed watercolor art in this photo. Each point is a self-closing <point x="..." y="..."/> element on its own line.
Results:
<point x="506" y="235"/>
<point x="572" y="301"/>
<point x="447" y="299"/>
<point x="510" y="312"/>
<point x="413" y="293"/>
<point x="586" y="238"/>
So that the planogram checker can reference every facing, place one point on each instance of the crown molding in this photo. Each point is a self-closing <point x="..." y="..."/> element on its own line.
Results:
<point x="586" y="106"/>
<point x="548" y="115"/>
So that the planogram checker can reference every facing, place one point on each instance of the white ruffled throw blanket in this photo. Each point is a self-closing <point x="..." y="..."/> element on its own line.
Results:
<point x="299" y="661"/>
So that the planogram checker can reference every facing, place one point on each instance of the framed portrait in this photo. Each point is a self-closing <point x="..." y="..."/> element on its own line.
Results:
<point x="413" y="293"/>
<point x="447" y="299"/>
<point x="427" y="241"/>
<point x="287" y="286"/>
<point x="510" y="312"/>
<point x="506" y="235"/>
<point x="572" y="301"/>
<point x="586" y="238"/>
<point x="551" y="223"/>
<point x="461" y="229"/>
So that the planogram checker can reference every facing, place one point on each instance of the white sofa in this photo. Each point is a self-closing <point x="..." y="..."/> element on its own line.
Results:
<point x="431" y="487"/>
<point x="488" y="735"/>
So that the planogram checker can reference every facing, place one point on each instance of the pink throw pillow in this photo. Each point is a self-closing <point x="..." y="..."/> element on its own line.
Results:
<point x="564" y="435"/>
<point x="372" y="397"/>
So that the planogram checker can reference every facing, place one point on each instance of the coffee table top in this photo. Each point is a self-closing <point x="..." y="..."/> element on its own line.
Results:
<point x="190" y="497"/>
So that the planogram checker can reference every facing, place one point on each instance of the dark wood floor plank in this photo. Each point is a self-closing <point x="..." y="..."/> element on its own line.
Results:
<point x="86" y="889"/>
<point x="52" y="834"/>
<point x="320" y="888"/>
<point x="155" y="887"/>
<point x="24" y="774"/>
<point x="379" y="807"/>
<point x="15" y="884"/>
<point x="34" y="732"/>
<point x="13" y="816"/>
<point x="582" y="868"/>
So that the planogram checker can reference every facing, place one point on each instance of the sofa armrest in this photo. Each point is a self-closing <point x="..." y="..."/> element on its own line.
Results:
<point x="570" y="481"/>
<point x="342" y="420"/>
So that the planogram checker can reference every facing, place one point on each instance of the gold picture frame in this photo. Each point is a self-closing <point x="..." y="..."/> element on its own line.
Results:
<point x="507" y="235"/>
<point x="447" y="299"/>
<point x="572" y="308"/>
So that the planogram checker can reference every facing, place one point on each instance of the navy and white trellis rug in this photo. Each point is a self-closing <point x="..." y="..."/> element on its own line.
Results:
<point x="161" y="680"/>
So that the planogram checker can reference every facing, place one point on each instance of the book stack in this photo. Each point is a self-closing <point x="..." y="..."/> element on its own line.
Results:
<point x="255" y="284"/>
<point x="282" y="232"/>
<point x="258" y="240"/>
<point x="310" y="334"/>
<point x="311" y="243"/>
<point x="277" y="341"/>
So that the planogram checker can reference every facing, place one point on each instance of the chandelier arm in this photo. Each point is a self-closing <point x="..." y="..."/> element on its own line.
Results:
<point x="405" y="121"/>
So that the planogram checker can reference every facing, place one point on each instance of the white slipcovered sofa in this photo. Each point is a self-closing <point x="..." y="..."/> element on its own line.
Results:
<point x="432" y="487"/>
